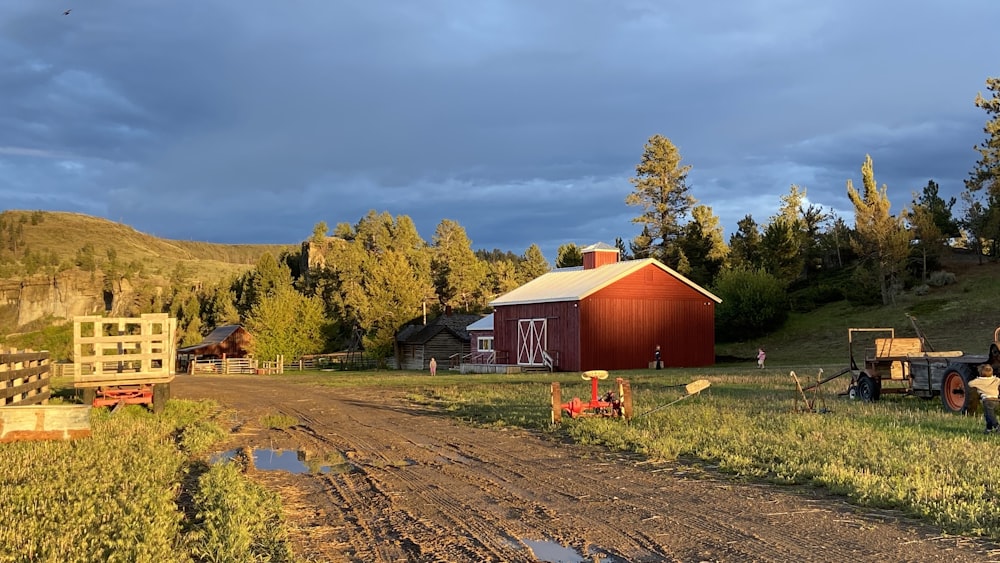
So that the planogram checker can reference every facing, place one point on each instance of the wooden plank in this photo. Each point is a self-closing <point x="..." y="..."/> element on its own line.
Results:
<point x="22" y="388"/>
<point x="47" y="422"/>
<point x="897" y="347"/>
<point x="126" y="379"/>
<point x="16" y="357"/>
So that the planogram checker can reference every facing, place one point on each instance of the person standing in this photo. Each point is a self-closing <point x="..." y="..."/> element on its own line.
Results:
<point x="656" y="356"/>
<point x="434" y="366"/>
<point x="988" y="386"/>
<point x="761" y="356"/>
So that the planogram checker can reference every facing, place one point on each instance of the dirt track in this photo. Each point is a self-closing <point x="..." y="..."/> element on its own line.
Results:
<point x="422" y="487"/>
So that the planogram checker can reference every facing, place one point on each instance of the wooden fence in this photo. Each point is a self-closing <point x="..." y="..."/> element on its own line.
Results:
<point x="24" y="378"/>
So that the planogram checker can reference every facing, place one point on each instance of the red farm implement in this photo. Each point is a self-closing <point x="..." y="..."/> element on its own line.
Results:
<point x="615" y="403"/>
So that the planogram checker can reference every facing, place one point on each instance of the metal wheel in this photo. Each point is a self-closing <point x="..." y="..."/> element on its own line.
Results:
<point x="954" y="389"/>
<point x="868" y="388"/>
<point x="89" y="394"/>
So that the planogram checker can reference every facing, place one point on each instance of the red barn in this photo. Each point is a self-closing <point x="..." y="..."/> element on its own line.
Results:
<point x="606" y="315"/>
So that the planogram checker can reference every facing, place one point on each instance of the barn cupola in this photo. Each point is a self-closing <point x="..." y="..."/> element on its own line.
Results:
<point x="597" y="255"/>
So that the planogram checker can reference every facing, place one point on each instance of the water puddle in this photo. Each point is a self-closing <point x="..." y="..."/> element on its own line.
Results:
<point x="291" y="461"/>
<point x="552" y="552"/>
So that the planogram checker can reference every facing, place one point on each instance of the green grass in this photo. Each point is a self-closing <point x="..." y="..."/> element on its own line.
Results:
<point x="136" y="490"/>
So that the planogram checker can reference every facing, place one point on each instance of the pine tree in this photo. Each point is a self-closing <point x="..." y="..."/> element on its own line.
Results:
<point x="880" y="239"/>
<point x="459" y="276"/>
<point x="533" y="264"/>
<point x="568" y="255"/>
<point x="661" y="191"/>
<point x="986" y="175"/>
<point x="745" y="245"/>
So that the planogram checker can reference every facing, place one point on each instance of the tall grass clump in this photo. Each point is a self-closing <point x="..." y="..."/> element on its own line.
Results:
<point x="237" y="520"/>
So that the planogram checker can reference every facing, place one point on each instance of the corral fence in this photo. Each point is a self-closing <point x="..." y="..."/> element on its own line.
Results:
<point x="317" y="362"/>
<point x="25" y="378"/>
<point x="313" y="362"/>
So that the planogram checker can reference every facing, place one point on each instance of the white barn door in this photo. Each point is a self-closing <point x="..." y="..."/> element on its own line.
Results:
<point x="532" y="339"/>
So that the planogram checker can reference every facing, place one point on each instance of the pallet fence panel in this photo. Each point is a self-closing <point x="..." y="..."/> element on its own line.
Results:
<point x="25" y="378"/>
<point x="122" y="349"/>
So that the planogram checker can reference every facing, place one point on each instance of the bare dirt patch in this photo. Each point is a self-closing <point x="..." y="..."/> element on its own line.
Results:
<point x="419" y="486"/>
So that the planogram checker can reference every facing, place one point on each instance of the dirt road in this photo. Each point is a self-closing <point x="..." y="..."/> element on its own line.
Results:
<point x="417" y="486"/>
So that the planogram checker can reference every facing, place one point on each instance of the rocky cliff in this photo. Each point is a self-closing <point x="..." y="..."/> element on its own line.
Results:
<point x="65" y="295"/>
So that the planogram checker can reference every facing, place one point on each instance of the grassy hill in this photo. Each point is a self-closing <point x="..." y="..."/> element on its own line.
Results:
<point x="960" y="316"/>
<point x="62" y="235"/>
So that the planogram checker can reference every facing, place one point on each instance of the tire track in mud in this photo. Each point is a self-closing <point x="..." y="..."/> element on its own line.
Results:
<point x="425" y="488"/>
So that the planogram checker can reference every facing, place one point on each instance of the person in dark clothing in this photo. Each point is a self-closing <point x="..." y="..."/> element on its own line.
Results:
<point x="656" y="355"/>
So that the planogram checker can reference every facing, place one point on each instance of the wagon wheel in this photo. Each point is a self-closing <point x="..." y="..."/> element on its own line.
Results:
<point x="556" y="403"/>
<point x="89" y="395"/>
<point x="954" y="389"/>
<point x="868" y="388"/>
<point x="627" y="410"/>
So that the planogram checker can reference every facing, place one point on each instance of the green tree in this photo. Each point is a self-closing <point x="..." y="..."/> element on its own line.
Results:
<point x="745" y="247"/>
<point x="985" y="176"/>
<point x="660" y="189"/>
<point x="703" y="246"/>
<point x="928" y="239"/>
<point x="286" y="323"/>
<point x="880" y="239"/>
<point x="781" y="248"/>
<point x="319" y="233"/>
<point x="939" y="209"/>
<point x="266" y="278"/>
<point x="568" y="255"/>
<point x="501" y="278"/>
<point x="754" y="303"/>
<point x="532" y="264"/>
<point x="458" y="275"/>
<point x="393" y="294"/>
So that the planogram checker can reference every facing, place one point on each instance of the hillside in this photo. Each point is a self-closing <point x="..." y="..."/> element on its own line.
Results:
<point x="959" y="316"/>
<point x="55" y="265"/>
<point x="64" y="234"/>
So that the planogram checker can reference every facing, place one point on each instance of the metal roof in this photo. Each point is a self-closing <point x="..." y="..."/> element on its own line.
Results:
<point x="420" y="333"/>
<point x="217" y="336"/>
<point x="575" y="284"/>
<point x="485" y="323"/>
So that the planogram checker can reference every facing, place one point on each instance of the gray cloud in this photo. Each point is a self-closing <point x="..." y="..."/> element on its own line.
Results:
<point x="520" y="120"/>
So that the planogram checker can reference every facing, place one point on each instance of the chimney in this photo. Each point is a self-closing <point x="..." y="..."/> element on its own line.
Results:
<point x="597" y="255"/>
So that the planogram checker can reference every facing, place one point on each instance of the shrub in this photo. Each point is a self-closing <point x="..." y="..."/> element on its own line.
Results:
<point x="941" y="278"/>
<point x="753" y="303"/>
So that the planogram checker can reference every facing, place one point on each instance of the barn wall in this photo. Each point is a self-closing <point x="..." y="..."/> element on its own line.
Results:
<point x="562" y="331"/>
<point x="622" y="323"/>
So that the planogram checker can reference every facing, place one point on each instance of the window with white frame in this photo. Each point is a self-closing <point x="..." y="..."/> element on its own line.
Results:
<point x="485" y="343"/>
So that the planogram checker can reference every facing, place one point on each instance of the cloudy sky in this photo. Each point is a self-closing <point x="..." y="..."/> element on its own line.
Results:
<point x="522" y="120"/>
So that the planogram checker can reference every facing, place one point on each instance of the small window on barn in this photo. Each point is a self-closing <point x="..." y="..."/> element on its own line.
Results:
<point x="485" y="343"/>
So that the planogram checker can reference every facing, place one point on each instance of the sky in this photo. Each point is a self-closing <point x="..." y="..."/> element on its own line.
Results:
<point x="522" y="120"/>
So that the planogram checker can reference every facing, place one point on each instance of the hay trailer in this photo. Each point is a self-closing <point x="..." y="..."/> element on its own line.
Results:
<point x="120" y="360"/>
<point x="909" y="366"/>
